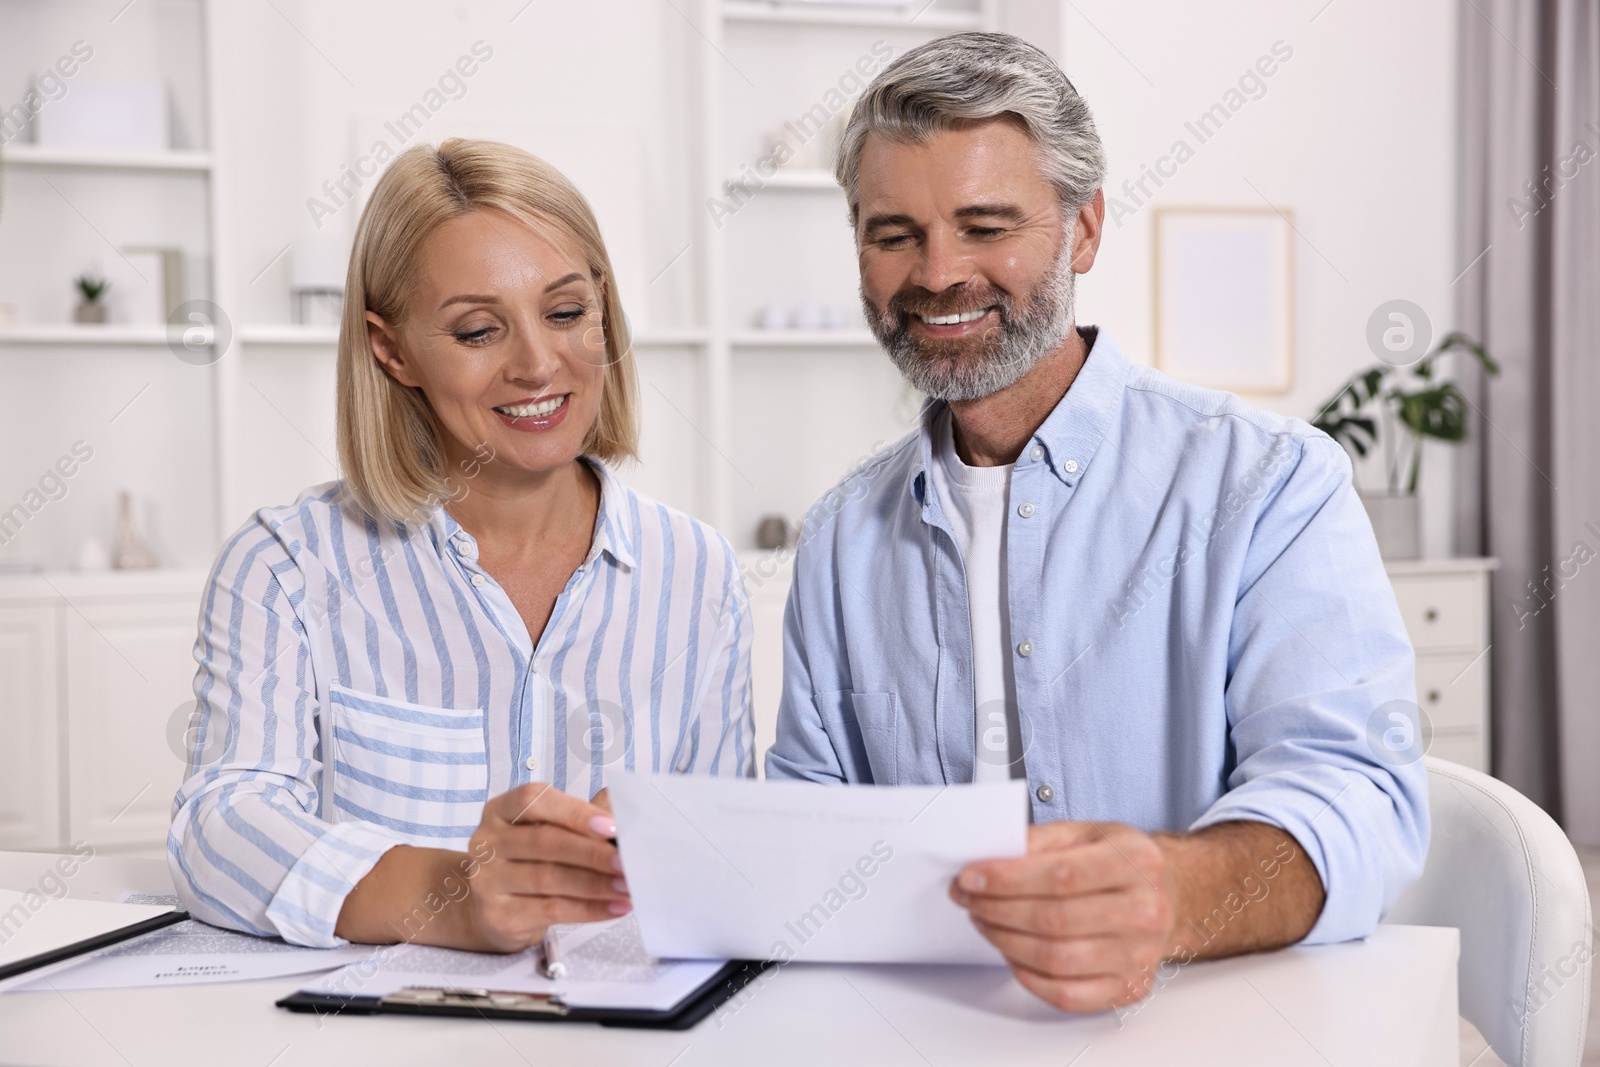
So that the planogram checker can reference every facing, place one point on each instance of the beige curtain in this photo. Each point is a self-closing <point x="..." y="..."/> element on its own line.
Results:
<point x="1529" y="476"/>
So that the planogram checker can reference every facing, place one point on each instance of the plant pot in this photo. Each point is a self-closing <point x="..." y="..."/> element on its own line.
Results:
<point x="1397" y="522"/>
<point x="89" y="311"/>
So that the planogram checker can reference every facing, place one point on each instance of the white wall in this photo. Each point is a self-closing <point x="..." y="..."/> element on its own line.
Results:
<point x="1354" y="136"/>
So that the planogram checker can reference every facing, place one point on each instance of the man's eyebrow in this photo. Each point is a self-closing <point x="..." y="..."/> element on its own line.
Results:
<point x="1010" y="212"/>
<point x="875" y="222"/>
<point x="476" y="298"/>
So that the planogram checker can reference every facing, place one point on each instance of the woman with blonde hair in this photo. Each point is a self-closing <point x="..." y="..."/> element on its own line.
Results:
<point x="413" y="681"/>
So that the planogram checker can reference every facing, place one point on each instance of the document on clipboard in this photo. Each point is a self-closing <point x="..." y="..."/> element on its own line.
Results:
<point x="607" y="977"/>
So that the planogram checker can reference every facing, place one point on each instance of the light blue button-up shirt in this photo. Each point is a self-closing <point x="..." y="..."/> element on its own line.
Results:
<point x="1202" y="631"/>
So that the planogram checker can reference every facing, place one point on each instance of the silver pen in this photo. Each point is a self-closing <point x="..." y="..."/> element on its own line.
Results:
<point x="550" y="964"/>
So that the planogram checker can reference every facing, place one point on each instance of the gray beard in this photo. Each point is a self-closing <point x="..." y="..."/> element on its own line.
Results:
<point x="973" y="368"/>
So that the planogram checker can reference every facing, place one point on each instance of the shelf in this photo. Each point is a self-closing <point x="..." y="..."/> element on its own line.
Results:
<point x="906" y="17"/>
<point x="671" y="337"/>
<point x="289" y="335"/>
<point x="803" y="339"/>
<point x="801" y="178"/>
<point x="286" y="335"/>
<point x="25" y="155"/>
<point x="110" y="335"/>
<point x="1445" y="565"/>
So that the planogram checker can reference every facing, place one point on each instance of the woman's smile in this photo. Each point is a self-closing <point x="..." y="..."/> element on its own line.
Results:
<point x="534" y="415"/>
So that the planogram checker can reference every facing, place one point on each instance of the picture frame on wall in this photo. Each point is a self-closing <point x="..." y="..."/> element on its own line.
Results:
<point x="1224" y="297"/>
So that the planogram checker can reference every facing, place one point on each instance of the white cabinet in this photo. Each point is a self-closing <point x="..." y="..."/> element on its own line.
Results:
<point x="129" y="689"/>
<point x="30" y="765"/>
<point x="1445" y="605"/>
<point x="96" y="676"/>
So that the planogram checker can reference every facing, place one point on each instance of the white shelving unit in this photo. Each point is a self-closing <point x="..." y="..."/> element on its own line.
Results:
<point x="802" y="179"/>
<point x="802" y="339"/>
<point x="176" y="160"/>
<point x="745" y="367"/>
<point x="919" y="14"/>
<point x="106" y="336"/>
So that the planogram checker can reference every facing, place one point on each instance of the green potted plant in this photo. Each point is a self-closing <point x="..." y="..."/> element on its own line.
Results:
<point x="90" y="309"/>
<point x="1396" y="408"/>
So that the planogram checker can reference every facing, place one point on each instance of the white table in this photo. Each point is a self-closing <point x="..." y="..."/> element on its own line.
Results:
<point x="1388" y="1000"/>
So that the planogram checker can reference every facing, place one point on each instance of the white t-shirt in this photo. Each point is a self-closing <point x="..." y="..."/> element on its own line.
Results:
<point x="975" y="500"/>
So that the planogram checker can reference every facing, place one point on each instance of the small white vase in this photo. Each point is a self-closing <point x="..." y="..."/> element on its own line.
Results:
<point x="1397" y="522"/>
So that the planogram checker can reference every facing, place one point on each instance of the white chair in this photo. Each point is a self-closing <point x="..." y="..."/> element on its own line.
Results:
<point x="1501" y="871"/>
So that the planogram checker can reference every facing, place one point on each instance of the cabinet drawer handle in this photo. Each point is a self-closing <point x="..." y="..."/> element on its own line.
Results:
<point x="1431" y="615"/>
<point x="1433" y="696"/>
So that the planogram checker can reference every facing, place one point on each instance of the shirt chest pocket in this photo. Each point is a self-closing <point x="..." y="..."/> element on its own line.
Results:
<point x="864" y="730"/>
<point x="418" y="771"/>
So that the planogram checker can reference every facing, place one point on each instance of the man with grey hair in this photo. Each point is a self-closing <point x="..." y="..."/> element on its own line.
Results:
<point x="1164" y="609"/>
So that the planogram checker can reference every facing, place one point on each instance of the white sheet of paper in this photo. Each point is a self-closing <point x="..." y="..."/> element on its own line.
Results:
<point x="31" y="923"/>
<point x="746" y="869"/>
<point x="607" y="967"/>
<point x="192" y="953"/>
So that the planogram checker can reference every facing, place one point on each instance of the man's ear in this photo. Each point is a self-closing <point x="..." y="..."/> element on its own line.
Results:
<point x="1087" y="231"/>
<point x="385" y="344"/>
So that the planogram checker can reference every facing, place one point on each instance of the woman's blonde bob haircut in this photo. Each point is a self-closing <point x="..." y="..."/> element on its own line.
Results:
<point x="389" y="438"/>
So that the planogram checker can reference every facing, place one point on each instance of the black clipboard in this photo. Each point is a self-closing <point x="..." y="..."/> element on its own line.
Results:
<point x="90" y="944"/>
<point x="537" y="1007"/>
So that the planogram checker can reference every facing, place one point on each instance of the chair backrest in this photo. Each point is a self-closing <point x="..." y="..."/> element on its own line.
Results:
<point x="1501" y="871"/>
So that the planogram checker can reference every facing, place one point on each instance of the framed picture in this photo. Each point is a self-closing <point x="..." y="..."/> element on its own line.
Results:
<point x="1224" y="297"/>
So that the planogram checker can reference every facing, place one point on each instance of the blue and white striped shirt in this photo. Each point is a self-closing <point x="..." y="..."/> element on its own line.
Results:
<point x="364" y="684"/>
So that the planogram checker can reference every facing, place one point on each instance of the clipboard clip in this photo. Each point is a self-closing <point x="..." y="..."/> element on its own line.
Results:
<point x="455" y="997"/>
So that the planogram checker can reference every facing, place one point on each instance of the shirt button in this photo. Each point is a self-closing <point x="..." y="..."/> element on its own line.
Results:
<point x="1070" y="466"/>
<point x="1025" y="649"/>
<point x="1045" y="794"/>
<point x="1036" y="452"/>
<point x="532" y="763"/>
<point x="477" y="581"/>
<point x="1025" y="510"/>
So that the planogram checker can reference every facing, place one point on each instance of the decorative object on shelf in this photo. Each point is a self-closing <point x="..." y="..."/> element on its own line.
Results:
<point x="130" y="553"/>
<point x="772" y="532"/>
<point x="817" y="316"/>
<point x="773" y="317"/>
<point x="316" y="279"/>
<point x="129" y="116"/>
<point x="1397" y="407"/>
<point x="807" y="317"/>
<point x="807" y="144"/>
<point x="92" y="555"/>
<point x="851" y="3"/>
<point x="152" y="287"/>
<point x="91" y="308"/>
<point x="1224" y="297"/>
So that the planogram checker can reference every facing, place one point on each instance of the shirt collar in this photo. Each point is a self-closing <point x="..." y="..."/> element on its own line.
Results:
<point x="1071" y="434"/>
<point x="612" y="531"/>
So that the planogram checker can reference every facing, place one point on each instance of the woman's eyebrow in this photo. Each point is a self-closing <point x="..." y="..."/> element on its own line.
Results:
<point x="565" y="280"/>
<point x="469" y="298"/>
<point x="476" y="298"/>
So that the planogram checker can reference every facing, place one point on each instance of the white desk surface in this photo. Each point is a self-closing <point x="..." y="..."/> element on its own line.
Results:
<point x="1388" y="1000"/>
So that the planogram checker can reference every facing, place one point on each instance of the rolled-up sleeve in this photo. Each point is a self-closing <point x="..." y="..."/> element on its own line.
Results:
<point x="1319" y="665"/>
<point x="247" y="849"/>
